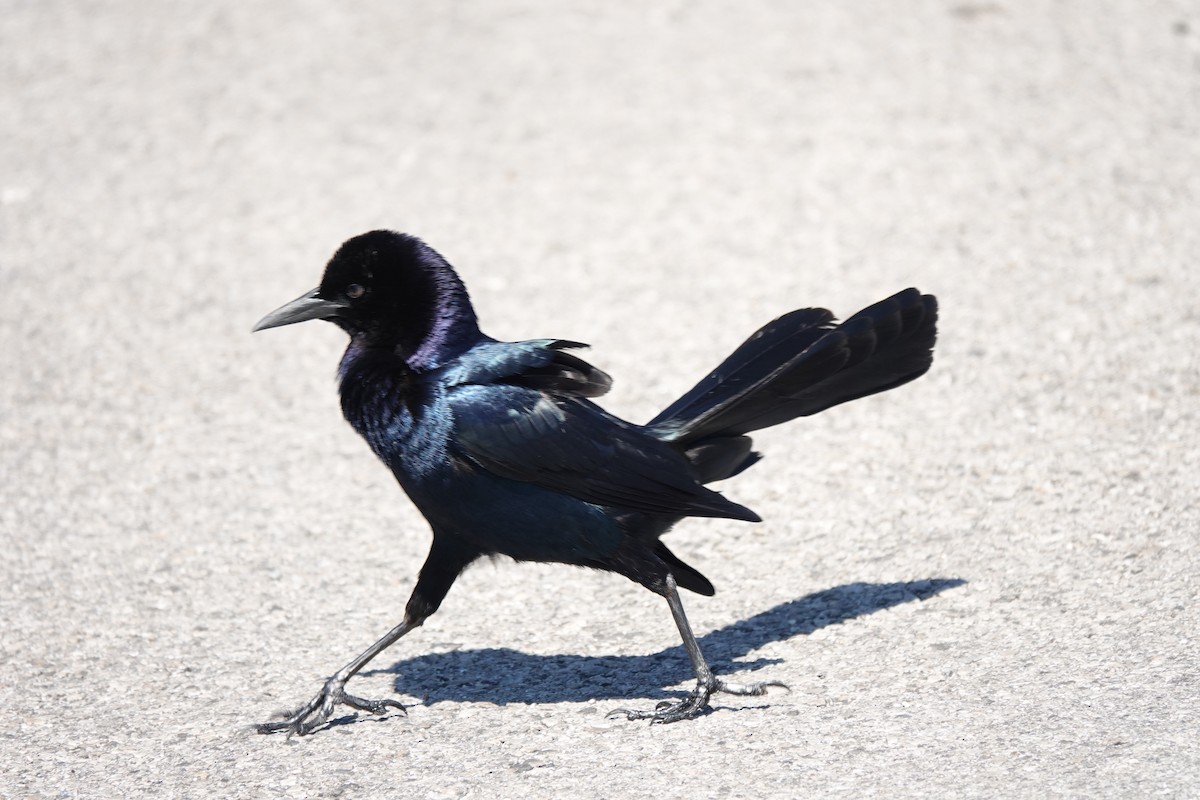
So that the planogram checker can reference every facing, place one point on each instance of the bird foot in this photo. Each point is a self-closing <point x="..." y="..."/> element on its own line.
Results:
<point x="696" y="703"/>
<point x="307" y="719"/>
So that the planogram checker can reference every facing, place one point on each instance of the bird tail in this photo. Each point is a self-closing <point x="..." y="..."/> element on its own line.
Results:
<point x="795" y="366"/>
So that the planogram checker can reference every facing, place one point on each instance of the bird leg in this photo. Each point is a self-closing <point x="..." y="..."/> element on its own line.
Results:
<point x="446" y="559"/>
<point x="706" y="683"/>
<point x="316" y="713"/>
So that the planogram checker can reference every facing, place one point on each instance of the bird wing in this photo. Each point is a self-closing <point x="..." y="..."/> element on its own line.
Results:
<point x="535" y="364"/>
<point x="569" y="445"/>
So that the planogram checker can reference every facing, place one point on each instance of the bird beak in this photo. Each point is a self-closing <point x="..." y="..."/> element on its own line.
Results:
<point x="307" y="306"/>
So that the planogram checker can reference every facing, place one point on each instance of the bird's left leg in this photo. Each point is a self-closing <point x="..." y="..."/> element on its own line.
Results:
<point x="443" y="565"/>
<point x="707" y="683"/>
<point x="317" y="711"/>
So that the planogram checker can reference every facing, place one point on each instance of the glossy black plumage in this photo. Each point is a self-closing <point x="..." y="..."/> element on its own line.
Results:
<point x="502" y="449"/>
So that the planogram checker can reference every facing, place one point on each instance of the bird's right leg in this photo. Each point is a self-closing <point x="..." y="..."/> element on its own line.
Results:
<point x="441" y="568"/>
<point x="707" y="683"/>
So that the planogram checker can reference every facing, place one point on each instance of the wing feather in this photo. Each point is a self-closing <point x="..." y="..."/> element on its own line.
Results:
<point x="569" y="445"/>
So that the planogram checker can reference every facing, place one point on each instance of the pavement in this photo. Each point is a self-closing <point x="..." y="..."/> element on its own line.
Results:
<point x="983" y="584"/>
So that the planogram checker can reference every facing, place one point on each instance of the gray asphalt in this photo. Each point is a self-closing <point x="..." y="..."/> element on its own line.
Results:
<point x="983" y="584"/>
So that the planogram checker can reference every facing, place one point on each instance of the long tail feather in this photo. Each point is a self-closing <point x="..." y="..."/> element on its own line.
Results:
<point x="803" y="363"/>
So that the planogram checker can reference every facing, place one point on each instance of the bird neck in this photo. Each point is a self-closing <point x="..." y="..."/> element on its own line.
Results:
<point x="449" y="327"/>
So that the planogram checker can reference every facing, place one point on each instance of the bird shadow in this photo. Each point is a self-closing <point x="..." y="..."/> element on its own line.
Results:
<point x="502" y="675"/>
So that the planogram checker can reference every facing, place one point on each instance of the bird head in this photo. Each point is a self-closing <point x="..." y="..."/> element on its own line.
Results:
<point x="391" y="290"/>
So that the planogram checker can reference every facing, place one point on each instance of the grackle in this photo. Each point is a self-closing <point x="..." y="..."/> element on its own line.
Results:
<point x="502" y="449"/>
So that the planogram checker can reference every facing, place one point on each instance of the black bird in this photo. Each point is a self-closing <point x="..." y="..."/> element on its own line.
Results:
<point x="501" y="448"/>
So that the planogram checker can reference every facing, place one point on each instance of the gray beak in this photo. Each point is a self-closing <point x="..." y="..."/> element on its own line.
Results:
<point x="307" y="306"/>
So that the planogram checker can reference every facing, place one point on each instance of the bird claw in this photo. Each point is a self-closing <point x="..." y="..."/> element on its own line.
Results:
<point x="696" y="703"/>
<point x="310" y="717"/>
<point x="374" y="706"/>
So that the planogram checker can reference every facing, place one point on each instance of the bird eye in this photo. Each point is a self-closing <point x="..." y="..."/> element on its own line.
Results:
<point x="355" y="291"/>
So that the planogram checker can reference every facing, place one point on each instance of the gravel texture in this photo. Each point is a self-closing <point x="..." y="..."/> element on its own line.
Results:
<point x="983" y="584"/>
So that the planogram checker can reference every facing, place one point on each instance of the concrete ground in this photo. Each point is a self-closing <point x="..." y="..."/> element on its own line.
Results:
<point x="983" y="584"/>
